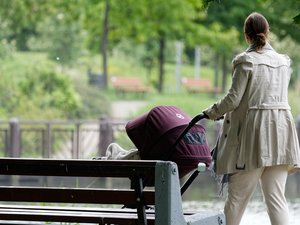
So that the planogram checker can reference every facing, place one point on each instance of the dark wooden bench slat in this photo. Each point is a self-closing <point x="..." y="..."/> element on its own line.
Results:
<point x="71" y="208"/>
<point x="136" y="197"/>
<point x="73" y="216"/>
<point x="72" y="200"/>
<point x="79" y="168"/>
<point x="60" y="195"/>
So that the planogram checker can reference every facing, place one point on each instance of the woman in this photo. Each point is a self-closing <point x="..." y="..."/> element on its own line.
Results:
<point x="258" y="142"/>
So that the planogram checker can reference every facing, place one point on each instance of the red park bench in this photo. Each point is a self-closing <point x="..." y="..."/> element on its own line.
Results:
<point x="129" y="85"/>
<point x="194" y="85"/>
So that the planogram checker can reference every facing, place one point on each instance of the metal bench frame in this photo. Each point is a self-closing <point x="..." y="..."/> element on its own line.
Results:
<point x="166" y="196"/>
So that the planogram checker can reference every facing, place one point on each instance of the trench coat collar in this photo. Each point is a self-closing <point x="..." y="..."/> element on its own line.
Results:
<point x="267" y="46"/>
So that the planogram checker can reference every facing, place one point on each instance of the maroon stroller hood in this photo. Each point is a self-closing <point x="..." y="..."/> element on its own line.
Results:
<point x="154" y="134"/>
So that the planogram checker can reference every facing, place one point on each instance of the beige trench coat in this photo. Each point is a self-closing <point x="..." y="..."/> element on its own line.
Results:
<point x="258" y="128"/>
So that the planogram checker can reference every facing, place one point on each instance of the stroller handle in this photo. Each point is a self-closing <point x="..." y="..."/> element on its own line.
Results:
<point x="198" y="118"/>
<point x="191" y="124"/>
<point x="203" y="116"/>
<point x="195" y="119"/>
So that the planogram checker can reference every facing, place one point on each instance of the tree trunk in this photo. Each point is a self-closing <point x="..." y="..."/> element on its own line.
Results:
<point x="224" y="72"/>
<point x="216" y="78"/>
<point x="161" y="60"/>
<point x="104" y="43"/>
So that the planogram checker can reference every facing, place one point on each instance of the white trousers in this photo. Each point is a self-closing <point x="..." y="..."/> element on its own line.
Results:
<point x="242" y="185"/>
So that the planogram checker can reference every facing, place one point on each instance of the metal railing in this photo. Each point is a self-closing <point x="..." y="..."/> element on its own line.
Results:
<point x="56" y="138"/>
<point x="71" y="139"/>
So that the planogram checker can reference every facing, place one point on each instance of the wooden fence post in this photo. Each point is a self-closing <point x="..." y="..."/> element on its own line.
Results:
<point x="76" y="154"/>
<point x="14" y="150"/>
<point x="298" y="127"/>
<point x="106" y="134"/>
<point x="47" y="153"/>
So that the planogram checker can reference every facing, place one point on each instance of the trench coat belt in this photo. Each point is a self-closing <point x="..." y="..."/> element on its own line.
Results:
<point x="281" y="105"/>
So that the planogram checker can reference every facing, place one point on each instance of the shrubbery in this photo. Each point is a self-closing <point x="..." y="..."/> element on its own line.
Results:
<point x="36" y="92"/>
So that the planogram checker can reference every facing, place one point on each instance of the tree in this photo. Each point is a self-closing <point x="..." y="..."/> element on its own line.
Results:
<point x="279" y="13"/>
<point x="104" y="40"/>
<point x="156" y="21"/>
<point x="232" y="14"/>
<point x="152" y="23"/>
<point x="97" y="22"/>
<point x="18" y="20"/>
<point x="56" y="20"/>
<point x="61" y="38"/>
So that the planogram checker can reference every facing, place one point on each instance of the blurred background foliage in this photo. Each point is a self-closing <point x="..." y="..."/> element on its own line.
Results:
<point x="47" y="46"/>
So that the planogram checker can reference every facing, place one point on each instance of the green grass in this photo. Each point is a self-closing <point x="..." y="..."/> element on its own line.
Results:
<point x="19" y="63"/>
<point x="95" y="100"/>
<point x="192" y="104"/>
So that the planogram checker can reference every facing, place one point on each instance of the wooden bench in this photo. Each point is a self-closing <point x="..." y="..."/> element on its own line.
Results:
<point x="194" y="85"/>
<point x="164" y="196"/>
<point x="129" y="85"/>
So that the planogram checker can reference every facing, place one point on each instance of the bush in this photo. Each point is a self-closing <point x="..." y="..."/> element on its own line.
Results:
<point x="50" y="90"/>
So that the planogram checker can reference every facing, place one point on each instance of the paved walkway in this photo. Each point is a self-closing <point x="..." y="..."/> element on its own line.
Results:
<point x="125" y="109"/>
<point x="255" y="214"/>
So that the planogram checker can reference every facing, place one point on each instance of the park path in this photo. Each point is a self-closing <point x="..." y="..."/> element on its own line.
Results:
<point x="255" y="214"/>
<point x="125" y="109"/>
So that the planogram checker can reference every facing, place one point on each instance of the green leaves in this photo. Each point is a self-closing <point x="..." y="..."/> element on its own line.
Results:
<point x="31" y="88"/>
<point x="50" y="90"/>
<point x="297" y="19"/>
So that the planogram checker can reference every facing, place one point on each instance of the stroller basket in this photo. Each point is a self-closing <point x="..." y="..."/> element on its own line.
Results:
<point x="158" y="136"/>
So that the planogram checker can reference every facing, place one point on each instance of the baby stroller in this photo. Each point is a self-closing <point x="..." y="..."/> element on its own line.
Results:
<point x="167" y="133"/>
